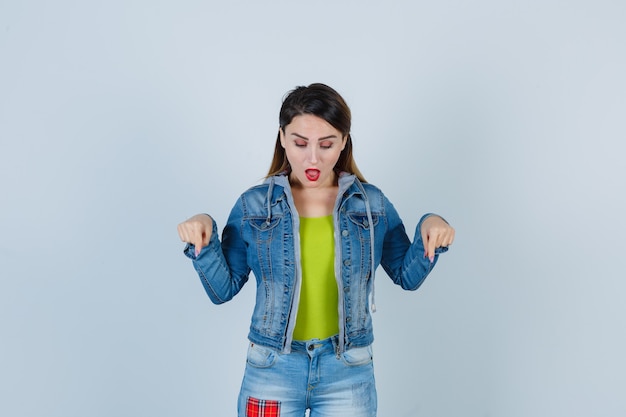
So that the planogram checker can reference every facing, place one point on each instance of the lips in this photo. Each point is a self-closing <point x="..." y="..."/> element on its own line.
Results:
<point x="312" y="174"/>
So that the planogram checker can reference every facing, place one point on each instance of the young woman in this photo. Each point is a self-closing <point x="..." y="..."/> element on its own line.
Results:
<point x="313" y="234"/>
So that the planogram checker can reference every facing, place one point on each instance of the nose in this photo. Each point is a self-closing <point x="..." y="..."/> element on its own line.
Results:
<point x="313" y="155"/>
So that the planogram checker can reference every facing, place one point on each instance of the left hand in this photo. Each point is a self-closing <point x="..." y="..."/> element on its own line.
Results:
<point x="436" y="233"/>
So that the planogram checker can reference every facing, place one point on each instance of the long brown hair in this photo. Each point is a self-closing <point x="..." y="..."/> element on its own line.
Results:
<point x="322" y="101"/>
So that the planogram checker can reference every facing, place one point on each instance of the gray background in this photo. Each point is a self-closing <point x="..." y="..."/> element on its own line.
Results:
<point x="120" y="119"/>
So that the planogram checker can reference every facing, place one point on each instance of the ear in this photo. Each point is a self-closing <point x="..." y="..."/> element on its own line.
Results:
<point x="281" y="134"/>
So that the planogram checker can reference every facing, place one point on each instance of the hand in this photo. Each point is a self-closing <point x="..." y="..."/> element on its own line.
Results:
<point x="197" y="231"/>
<point x="436" y="233"/>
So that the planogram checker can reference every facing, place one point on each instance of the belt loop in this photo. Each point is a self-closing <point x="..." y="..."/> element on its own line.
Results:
<point x="335" y="340"/>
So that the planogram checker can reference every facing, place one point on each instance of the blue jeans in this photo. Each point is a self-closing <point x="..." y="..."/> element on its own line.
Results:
<point x="311" y="377"/>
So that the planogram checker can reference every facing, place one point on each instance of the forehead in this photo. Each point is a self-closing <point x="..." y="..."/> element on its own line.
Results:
<point x="311" y="126"/>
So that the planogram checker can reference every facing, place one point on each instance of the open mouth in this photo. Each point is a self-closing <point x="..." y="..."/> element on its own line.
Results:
<point x="312" y="174"/>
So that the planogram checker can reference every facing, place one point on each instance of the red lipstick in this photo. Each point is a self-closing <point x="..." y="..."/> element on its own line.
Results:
<point x="312" y="174"/>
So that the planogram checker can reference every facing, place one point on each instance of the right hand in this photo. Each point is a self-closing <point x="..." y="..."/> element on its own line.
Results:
<point x="196" y="230"/>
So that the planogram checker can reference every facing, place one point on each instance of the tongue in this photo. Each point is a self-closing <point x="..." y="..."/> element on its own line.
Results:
<point x="312" y="174"/>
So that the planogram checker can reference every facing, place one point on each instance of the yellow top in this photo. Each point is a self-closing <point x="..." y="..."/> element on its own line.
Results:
<point x="318" y="315"/>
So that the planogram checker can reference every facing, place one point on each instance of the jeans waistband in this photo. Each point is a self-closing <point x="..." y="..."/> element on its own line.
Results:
<point x="330" y="343"/>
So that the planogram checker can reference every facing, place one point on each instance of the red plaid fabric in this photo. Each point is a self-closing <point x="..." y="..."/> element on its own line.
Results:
<point x="262" y="408"/>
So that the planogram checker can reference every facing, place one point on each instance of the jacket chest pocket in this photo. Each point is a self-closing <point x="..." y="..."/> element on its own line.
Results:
<point x="263" y="229"/>
<point x="360" y="224"/>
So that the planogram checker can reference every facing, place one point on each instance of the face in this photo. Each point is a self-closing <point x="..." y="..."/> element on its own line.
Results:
<point x="312" y="146"/>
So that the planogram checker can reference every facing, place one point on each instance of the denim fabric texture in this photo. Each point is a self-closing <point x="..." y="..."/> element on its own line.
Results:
<point x="262" y="236"/>
<point x="312" y="376"/>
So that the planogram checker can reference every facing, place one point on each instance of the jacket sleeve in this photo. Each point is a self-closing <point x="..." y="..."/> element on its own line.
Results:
<point x="404" y="261"/>
<point x="222" y="267"/>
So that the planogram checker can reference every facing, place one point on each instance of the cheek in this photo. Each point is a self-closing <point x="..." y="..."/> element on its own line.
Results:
<point x="292" y="157"/>
<point x="289" y="153"/>
<point x="334" y="157"/>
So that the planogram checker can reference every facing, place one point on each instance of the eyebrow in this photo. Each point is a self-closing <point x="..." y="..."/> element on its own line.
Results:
<point x="322" y="138"/>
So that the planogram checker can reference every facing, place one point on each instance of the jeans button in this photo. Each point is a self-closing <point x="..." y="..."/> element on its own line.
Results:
<point x="311" y="347"/>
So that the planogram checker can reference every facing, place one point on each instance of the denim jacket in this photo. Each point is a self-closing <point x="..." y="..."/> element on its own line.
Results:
<point x="262" y="236"/>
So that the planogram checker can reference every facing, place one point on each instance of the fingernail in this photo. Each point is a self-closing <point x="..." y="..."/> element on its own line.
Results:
<point x="425" y="254"/>
<point x="432" y="259"/>
<point x="197" y="252"/>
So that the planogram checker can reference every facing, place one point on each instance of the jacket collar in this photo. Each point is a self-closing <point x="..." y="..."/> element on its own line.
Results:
<point x="346" y="181"/>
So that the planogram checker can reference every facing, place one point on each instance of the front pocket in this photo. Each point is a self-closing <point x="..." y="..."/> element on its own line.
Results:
<point x="260" y="356"/>
<point x="358" y="356"/>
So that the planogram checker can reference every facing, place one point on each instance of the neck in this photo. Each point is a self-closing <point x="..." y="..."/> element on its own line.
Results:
<point x="315" y="202"/>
